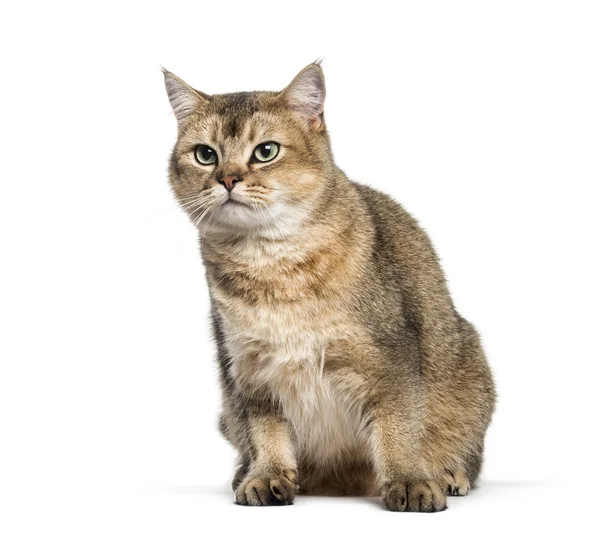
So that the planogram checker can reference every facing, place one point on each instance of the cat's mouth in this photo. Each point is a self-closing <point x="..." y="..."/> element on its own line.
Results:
<point x="234" y="202"/>
<point x="236" y="199"/>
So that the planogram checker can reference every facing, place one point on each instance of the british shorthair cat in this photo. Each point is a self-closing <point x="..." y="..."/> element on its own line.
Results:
<point x="345" y="368"/>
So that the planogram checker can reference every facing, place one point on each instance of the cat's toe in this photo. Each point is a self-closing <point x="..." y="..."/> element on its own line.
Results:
<point x="395" y="497"/>
<point x="266" y="490"/>
<point x="414" y="496"/>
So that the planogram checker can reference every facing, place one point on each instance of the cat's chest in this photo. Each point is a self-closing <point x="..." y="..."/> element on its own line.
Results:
<point x="283" y="352"/>
<point x="268" y="343"/>
<point x="279" y="329"/>
<point x="325" y="420"/>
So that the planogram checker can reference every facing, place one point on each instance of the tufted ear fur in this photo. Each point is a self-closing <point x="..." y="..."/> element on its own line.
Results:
<point x="306" y="94"/>
<point x="184" y="99"/>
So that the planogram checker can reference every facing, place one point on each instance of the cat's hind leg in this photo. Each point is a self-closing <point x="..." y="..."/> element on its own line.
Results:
<point x="459" y="411"/>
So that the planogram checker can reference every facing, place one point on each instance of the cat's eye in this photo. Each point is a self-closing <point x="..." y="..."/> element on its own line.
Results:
<point x="265" y="152"/>
<point x="206" y="155"/>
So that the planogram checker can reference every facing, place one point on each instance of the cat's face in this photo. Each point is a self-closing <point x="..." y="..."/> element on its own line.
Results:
<point x="250" y="163"/>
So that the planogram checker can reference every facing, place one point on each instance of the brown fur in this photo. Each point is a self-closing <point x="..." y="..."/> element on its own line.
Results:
<point x="345" y="367"/>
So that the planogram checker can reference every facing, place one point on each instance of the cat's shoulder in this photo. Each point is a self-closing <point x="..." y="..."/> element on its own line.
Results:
<point x="385" y="210"/>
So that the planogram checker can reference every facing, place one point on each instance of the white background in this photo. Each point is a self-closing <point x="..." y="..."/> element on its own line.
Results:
<point x="482" y="118"/>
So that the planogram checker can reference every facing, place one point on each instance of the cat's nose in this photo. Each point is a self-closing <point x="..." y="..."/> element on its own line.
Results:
<point x="229" y="181"/>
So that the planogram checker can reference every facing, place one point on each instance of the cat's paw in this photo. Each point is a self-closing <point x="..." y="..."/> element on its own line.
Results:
<point x="456" y="483"/>
<point x="275" y="489"/>
<point x="414" y="496"/>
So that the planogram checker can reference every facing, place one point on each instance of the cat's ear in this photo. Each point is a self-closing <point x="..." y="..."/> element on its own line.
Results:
<point x="184" y="99"/>
<point x="306" y="94"/>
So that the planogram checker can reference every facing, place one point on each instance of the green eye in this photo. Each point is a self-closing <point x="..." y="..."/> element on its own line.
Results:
<point x="265" y="152"/>
<point x="205" y="155"/>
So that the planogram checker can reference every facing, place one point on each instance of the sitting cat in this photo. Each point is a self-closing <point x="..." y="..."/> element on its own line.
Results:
<point x="345" y="368"/>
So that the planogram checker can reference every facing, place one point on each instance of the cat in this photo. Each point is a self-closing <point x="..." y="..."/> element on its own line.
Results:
<point x="345" y="368"/>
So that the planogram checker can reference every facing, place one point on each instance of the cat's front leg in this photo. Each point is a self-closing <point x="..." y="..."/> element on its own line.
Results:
<point x="272" y="476"/>
<point x="404" y="483"/>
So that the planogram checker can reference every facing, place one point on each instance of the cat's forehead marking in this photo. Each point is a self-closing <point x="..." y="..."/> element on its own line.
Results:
<point x="232" y="112"/>
<point x="239" y="113"/>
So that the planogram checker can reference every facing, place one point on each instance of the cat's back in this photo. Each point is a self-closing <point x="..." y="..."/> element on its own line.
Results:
<point x="402" y="250"/>
<point x="404" y="273"/>
<point x="393" y="224"/>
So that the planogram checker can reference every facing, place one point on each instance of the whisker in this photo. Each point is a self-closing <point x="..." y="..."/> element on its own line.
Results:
<point x="207" y="225"/>
<point x="202" y="216"/>
<point x="194" y="201"/>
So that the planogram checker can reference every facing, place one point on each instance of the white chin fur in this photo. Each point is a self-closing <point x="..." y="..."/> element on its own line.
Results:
<point x="275" y="221"/>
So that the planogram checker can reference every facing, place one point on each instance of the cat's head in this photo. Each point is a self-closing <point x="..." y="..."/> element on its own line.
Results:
<point x="250" y="163"/>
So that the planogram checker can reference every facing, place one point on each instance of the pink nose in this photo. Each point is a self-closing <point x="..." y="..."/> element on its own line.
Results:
<point x="229" y="181"/>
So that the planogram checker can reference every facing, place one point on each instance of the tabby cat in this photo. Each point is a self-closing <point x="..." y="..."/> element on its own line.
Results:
<point x="345" y="368"/>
